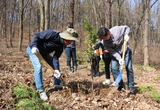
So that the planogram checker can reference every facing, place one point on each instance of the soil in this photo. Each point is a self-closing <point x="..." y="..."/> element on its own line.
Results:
<point x="84" y="93"/>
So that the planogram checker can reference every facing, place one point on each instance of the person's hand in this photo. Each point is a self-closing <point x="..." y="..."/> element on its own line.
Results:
<point x="105" y="51"/>
<point x="121" y="62"/>
<point x="57" y="74"/>
<point x="126" y="37"/>
<point x="34" y="50"/>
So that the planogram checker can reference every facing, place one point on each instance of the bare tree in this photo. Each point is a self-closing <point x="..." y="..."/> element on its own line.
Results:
<point x="21" y="4"/>
<point x="29" y="27"/>
<point x="11" y="23"/>
<point x="47" y="14"/>
<point x="71" y="10"/>
<point x="108" y="14"/>
<point x="22" y="7"/>
<point x="146" y="29"/>
<point x="4" y="22"/>
<point x="42" y="14"/>
<point x="136" y="28"/>
<point x="145" y="37"/>
<point x="120" y="3"/>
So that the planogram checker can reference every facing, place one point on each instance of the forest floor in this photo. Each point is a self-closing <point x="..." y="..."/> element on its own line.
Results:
<point x="84" y="92"/>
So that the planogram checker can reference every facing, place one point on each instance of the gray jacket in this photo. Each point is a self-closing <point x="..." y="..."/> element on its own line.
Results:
<point x="115" y="44"/>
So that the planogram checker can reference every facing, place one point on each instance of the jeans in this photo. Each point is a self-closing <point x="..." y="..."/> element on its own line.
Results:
<point x="38" y="69"/>
<point x="129" y="69"/>
<point x="71" y="53"/>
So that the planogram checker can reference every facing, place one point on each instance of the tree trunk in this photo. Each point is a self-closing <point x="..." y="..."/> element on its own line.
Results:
<point x="71" y="11"/>
<point x="47" y="14"/>
<point x="11" y="24"/>
<point x="5" y="24"/>
<point x="145" y="38"/>
<point x="30" y="14"/>
<point x="21" y="4"/>
<point x="108" y="15"/>
<point x="42" y="15"/>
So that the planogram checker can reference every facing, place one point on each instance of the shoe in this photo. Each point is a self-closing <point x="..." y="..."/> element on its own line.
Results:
<point x="89" y="74"/>
<point x="74" y="69"/>
<point x="43" y="96"/>
<point x="57" y="86"/>
<point x="108" y="81"/>
<point x="120" y="88"/>
<point x="97" y="76"/>
<point x="131" y="90"/>
<point x="69" y="69"/>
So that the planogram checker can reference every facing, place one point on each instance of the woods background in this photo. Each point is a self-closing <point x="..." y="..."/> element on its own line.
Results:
<point x="20" y="19"/>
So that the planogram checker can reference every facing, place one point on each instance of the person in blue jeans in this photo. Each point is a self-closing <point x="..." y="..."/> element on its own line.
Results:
<point x="71" y="52"/>
<point x="46" y="42"/>
<point x="113" y="43"/>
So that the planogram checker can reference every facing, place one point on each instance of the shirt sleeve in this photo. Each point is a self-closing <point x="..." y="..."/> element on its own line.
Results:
<point x="56" y="56"/>
<point x="114" y="53"/>
<point x="127" y="30"/>
<point x="35" y="40"/>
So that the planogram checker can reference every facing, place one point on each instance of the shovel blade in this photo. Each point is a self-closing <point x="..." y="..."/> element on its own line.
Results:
<point x="118" y="79"/>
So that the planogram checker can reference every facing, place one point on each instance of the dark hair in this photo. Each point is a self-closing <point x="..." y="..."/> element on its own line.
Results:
<point x="103" y="31"/>
<point x="70" y="25"/>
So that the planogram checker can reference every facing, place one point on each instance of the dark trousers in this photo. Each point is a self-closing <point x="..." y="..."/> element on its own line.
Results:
<point x="71" y="54"/>
<point x="107" y="61"/>
<point x="95" y="66"/>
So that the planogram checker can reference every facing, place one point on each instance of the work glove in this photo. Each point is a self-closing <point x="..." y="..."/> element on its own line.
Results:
<point x="57" y="74"/>
<point x="121" y="62"/>
<point x="126" y="37"/>
<point x="93" y="47"/>
<point x="101" y="57"/>
<point x="34" y="50"/>
<point x="96" y="46"/>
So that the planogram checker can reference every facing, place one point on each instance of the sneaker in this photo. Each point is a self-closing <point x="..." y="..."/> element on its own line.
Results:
<point x="120" y="88"/>
<point x="108" y="81"/>
<point x="131" y="90"/>
<point x="43" y="96"/>
<point x="89" y="74"/>
<point x="57" y="86"/>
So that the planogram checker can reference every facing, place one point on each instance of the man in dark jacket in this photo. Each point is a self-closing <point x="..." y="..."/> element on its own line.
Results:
<point x="46" y="42"/>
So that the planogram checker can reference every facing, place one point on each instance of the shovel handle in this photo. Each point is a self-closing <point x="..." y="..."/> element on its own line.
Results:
<point x="123" y="54"/>
<point x="44" y="62"/>
<point x="119" y="77"/>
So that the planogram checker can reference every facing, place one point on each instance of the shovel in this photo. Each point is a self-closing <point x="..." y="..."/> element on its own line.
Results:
<point x="119" y="77"/>
<point x="44" y="62"/>
<point x="48" y="66"/>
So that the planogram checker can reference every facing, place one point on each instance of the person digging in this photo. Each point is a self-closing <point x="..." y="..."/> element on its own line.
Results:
<point x="45" y="42"/>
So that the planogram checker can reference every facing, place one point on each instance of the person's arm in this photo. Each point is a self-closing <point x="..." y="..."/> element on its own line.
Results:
<point x="114" y="53"/>
<point x="110" y="46"/>
<point x="118" y="33"/>
<point x="127" y="30"/>
<point x="35" y="40"/>
<point x="55" y="61"/>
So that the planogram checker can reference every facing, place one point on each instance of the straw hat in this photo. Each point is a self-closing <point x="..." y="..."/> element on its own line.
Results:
<point x="69" y="34"/>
